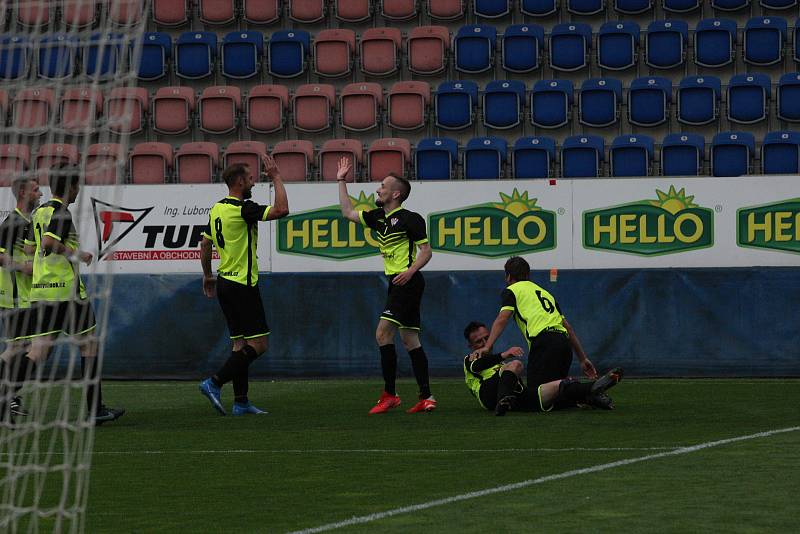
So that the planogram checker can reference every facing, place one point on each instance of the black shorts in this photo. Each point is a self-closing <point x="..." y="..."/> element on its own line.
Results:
<point x="18" y="323"/>
<point x="70" y="317"/>
<point x="243" y="309"/>
<point x="403" y="303"/>
<point x="527" y="401"/>
<point x="549" y="359"/>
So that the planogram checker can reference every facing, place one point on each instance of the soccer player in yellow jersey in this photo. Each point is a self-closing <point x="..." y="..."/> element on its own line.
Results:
<point x="399" y="233"/>
<point x="233" y="231"/>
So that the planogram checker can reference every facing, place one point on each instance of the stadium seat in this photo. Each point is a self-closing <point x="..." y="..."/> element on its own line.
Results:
<point x="748" y="98"/>
<point x="171" y="12"/>
<point x="379" y="51"/>
<point x="266" y="108"/>
<point x="294" y="158"/>
<point x="195" y="53"/>
<point x="287" y="53"/>
<point x="312" y="107"/>
<point x="251" y="153"/>
<point x="788" y="97"/>
<point x="780" y="153"/>
<point x="57" y="55"/>
<point x="105" y="164"/>
<point x="538" y="8"/>
<point x="455" y="104"/>
<point x="521" y="48"/>
<point x="427" y="49"/>
<point x="353" y="11"/>
<point x="4" y="108"/>
<point x="126" y="109"/>
<point x="474" y="47"/>
<point x="585" y="8"/>
<point x="551" y="103"/>
<point x="389" y="155"/>
<point x="79" y="14"/>
<point x="52" y="154"/>
<point x="218" y="109"/>
<point x="333" y="52"/>
<point x="533" y="157"/>
<point x="32" y="110"/>
<point x="598" y="102"/>
<point x="631" y="155"/>
<point x="14" y="160"/>
<point x="15" y="57"/>
<point x="778" y="4"/>
<point x="682" y="154"/>
<point x="435" y="158"/>
<point x="680" y="6"/>
<point x="732" y="153"/>
<point x="582" y="156"/>
<point x="241" y="54"/>
<point x="151" y="163"/>
<point x="485" y="158"/>
<point x="618" y="45"/>
<point x="216" y="11"/>
<point x="632" y="7"/>
<point x="649" y="100"/>
<point x="398" y="10"/>
<point x="261" y="11"/>
<point x="698" y="100"/>
<point x="491" y="9"/>
<point x="307" y="11"/>
<point x="332" y="151"/>
<point x="570" y="46"/>
<point x="503" y="104"/>
<point x="35" y="13"/>
<point x="125" y="12"/>
<point x="763" y="40"/>
<point x="445" y="9"/>
<point x="80" y="109"/>
<point x="714" y="42"/>
<point x="729" y="5"/>
<point x="407" y="105"/>
<point x="173" y="110"/>
<point x="360" y="106"/>
<point x="156" y="53"/>
<point x="103" y="55"/>
<point x="196" y="163"/>
<point x="665" y="43"/>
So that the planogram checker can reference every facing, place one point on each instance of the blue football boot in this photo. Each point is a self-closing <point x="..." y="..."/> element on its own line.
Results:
<point x="244" y="409"/>
<point x="212" y="392"/>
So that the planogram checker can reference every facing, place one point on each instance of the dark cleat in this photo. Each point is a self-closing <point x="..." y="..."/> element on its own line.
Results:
<point x="601" y="401"/>
<point x="15" y="406"/>
<point x="504" y="405"/>
<point x="607" y="381"/>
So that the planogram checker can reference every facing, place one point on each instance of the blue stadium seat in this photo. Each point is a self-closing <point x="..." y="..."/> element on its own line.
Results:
<point x="748" y="98"/>
<point x="195" y="53"/>
<point x="533" y="157"/>
<point x="729" y="5"/>
<point x="436" y="158"/>
<point x="631" y="155"/>
<point x="618" y="45"/>
<point x="680" y="6"/>
<point x="15" y="56"/>
<point x="491" y="9"/>
<point x="632" y="7"/>
<point x="649" y="99"/>
<point x="714" y="42"/>
<point x="155" y="55"/>
<point x="778" y="4"/>
<point x="698" y="100"/>
<point x="57" y="55"/>
<point x="103" y="54"/>
<point x="503" y="104"/>
<point x="474" y="48"/>
<point x="570" y="46"/>
<point x="598" y="102"/>
<point x="763" y="40"/>
<point x="538" y="8"/>
<point x="665" y="43"/>
<point x="455" y="104"/>
<point x="682" y="154"/>
<point x="288" y="51"/>
<point x="585" y="7"/>
<point x="241" y="53"/>
<point x="732" y="153"/>
<point x="788" y="97"/>
<point x="780" y="153"/>
<point x="582" y="156"/>
<point x="522" y="47"/>
<point x="551" y="103"/>
<point x="484" y="158"/>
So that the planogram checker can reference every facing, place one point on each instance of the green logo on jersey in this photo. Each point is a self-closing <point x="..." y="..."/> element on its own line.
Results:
<point x="773" y="226"/>
<point x="324" y="233"/>
<point x="511" y="227"/>
<point x="669" y="224"/>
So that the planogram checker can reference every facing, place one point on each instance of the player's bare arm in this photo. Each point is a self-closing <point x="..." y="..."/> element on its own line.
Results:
<point x="209" y="281"/>
<point x="342" y="169"/>
<point x="513" y="352"/>
<point x="423" y="257"/>
<point x="497" y="329"/>
<point x="53" y="246"/>
<point x="586" y="365"/>
<point x="280" y="208"/>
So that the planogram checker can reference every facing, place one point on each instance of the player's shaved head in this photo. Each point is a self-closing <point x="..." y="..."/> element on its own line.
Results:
<point x="233" y="172"/>
<point x="401" y="185"/>
<point x="518" y="269"/>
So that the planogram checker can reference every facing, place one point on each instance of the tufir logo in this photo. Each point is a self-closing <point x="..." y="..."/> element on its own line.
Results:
<point x="670" y="224"/>
<point x="495" y="229"/>
<point x="113" y="223"/>
<point x="773" y="226"/>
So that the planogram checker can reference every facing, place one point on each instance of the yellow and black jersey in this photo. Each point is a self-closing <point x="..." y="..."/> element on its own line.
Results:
<point x="233" y="228"/>
<point x="477" y="371"/>
<point x="398" y="233"/>
<point x="535" y="310"/>
<point x="15" y="286"/>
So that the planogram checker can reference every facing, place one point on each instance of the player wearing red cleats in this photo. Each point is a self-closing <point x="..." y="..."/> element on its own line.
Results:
<point x="425" y="405"/>
<point x="386" y="403"/>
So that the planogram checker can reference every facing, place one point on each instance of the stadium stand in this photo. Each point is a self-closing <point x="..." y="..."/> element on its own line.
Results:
<point x="436" y="158"/>
<point x="533" y="157"/>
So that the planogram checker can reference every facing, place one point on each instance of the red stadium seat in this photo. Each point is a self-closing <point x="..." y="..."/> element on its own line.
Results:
<point x="125" y="12"/>
<point x="399" y="9"/>
<point x="333" y="52"/>
<point x="170" y="12"/>
<point x="32" y="110"/>
<point x="217" y="11"/>
<point x="151" y="163"/>
<point x="312" y="107"/>
<point x="126" y="109"/>
<point x="332" y="151"/>
<point x="380" y="51"/>
<point x="306" y="11"/>
<point x="219" y="109"/>
<point x="353" y="10"/>
<point x="14" y="160"/>
<point x="252" y="153"/>
<point x="388" y="155"/>
<point x="54" y="154"/>
<point x="35" y="13"/>
<point x="294" y="159"/>
<point x="79" y="14"/>
<point x="445" y="9"/>
<point x="360" y="106"/>
<point x="427" y="49"/>
<point x="80" y="108"/>
<point x="3" y="107"/>
<point x="104" y="164"/>
<point x="407" y="103"/>
<point x="196" y="163"/>
<point x="266" y="108"/>
<point x="173" y="109"/>
<point x="261" y="11"/>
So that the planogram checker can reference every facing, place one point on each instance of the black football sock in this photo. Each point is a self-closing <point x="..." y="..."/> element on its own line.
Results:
<point x="94" y="394"/>
<point x="236" y="361"/>
<point x="25" y="371"/>
<point x="571" y="392"/>
<point x="241" y="383"/>
<point x="389" y="368"/>
<point x="419" y="363"/>
<point x="508" y="384"/>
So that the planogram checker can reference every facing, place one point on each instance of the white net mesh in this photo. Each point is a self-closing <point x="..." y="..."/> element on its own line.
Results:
<point x="67" y="68"/>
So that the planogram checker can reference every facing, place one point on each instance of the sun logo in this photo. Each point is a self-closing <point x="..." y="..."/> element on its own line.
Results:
<point x="363" y="202"/>
<point x="674" y="201"/>
<point x="517" y="204"/>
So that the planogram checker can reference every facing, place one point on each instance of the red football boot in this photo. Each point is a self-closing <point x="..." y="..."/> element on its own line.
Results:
<point x="385" y="403"/>
<point x="425" y="405"/>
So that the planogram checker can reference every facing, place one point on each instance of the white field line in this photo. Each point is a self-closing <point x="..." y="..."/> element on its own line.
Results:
<point x="358" y="520"/>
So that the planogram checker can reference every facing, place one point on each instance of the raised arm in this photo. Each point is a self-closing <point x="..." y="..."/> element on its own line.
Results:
<point x="344" y="199"/>
<point x="280" y="208"/>
<point x="497" y="329"/>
